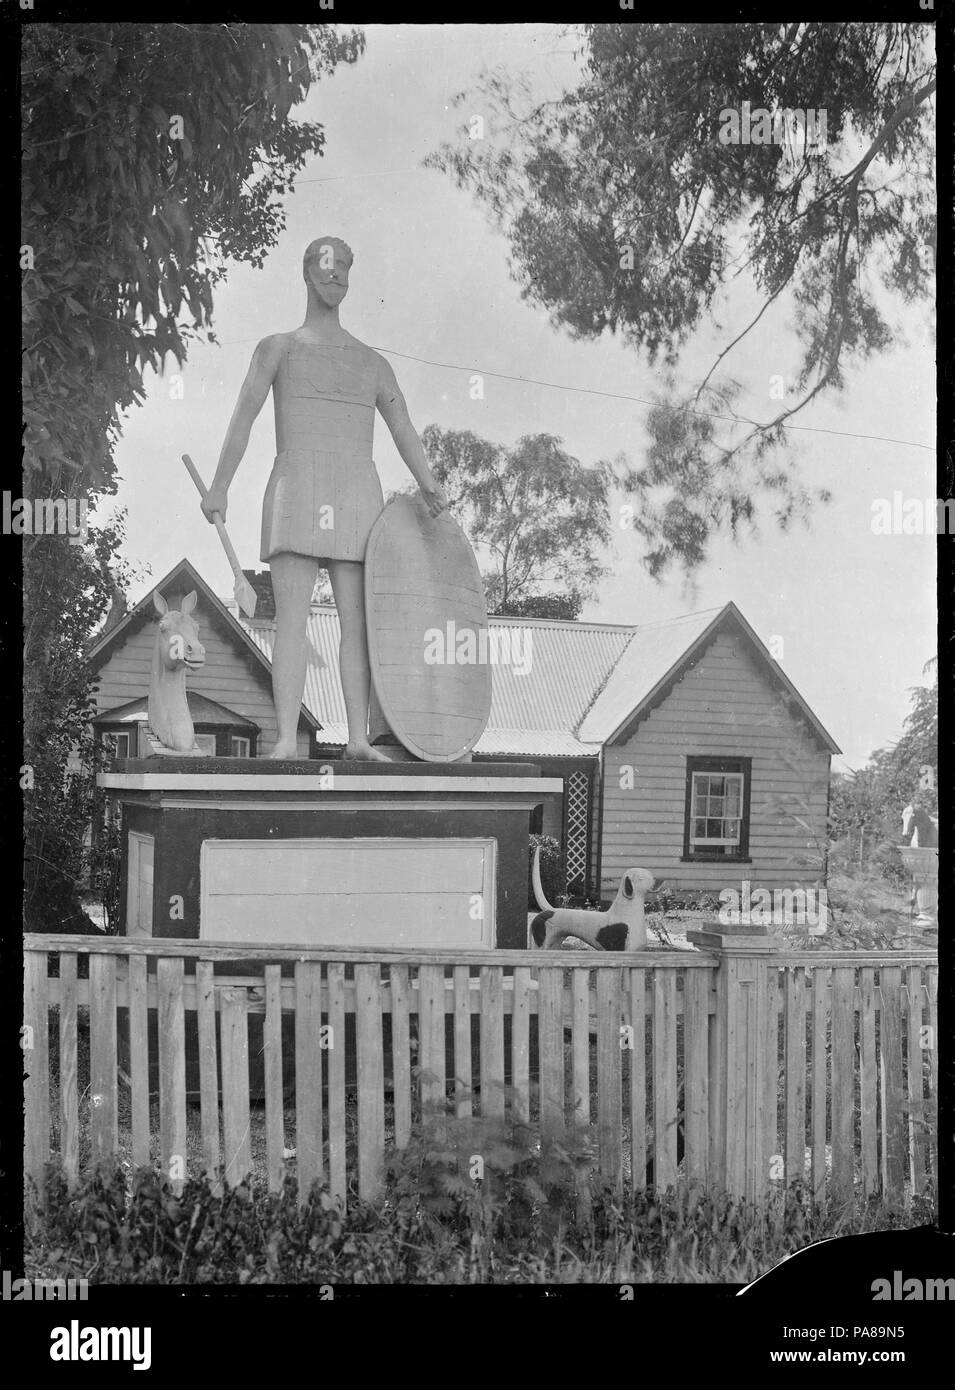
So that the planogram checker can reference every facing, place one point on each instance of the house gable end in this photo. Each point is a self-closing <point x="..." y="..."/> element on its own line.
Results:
<point x="730" y="621"/>
<point x="179" y="581"/>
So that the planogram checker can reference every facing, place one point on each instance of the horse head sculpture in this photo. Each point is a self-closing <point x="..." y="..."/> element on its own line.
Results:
<point x="177" y="651"/>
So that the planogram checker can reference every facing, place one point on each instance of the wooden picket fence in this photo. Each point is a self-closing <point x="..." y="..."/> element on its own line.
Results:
<point x="737" y="1070"/>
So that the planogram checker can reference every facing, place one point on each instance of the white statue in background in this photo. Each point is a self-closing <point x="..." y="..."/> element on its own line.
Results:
<point x="323" y="496"/>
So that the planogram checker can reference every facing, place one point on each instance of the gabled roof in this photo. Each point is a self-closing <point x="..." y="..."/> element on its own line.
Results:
<point x="569" y="688"/>
<point x="180" y="579"/>
<point x="659" y="655"/>
<point x="201" y="709"/>
<point x="585" y="685"/>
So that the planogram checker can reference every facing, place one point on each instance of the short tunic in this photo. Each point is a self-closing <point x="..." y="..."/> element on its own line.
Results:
<point x="324" y="496"/>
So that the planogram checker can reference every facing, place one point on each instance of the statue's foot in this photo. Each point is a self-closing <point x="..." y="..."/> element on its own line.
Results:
<point x="285" y="751"/>
<point x="363" y="752"/>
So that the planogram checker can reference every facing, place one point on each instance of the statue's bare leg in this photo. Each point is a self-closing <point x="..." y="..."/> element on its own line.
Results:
<point x="348" y="586"/>
<point x="293" y="579"/>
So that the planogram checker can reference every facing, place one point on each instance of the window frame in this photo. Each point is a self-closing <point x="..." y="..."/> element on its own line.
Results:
<point x="697" y="764"/>
<point x="130" y="735"/>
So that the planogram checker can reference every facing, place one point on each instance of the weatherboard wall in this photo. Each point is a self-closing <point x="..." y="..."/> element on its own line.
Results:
<point x="723" y="707"/>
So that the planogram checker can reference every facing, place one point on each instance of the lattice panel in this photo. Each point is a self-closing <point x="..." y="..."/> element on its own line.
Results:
<point x="577" y="794"/>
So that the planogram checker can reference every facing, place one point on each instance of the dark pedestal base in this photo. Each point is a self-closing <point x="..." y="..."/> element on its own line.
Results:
<point x="319" y="853"/>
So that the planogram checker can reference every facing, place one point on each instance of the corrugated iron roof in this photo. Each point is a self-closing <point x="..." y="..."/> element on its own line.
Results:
<point x="542" y="684"/>
<point x="558" y="689"/>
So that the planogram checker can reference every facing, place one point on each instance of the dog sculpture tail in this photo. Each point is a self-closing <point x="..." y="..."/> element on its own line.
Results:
<point x="542" y="902"/>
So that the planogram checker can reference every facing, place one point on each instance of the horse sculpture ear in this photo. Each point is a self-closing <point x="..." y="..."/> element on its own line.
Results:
<point x="188" y="603"/>
<point x="160" y="604"/>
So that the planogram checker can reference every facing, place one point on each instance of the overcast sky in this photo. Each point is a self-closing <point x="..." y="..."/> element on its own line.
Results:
<point x="855" y="611"/>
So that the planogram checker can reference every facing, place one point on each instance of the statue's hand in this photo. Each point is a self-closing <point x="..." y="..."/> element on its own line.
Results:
<point x="215" y="500"/>
<point x="434" y="497"/>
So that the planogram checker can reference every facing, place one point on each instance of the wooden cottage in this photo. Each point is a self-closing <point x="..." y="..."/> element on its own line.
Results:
<point x="682" y="746"/>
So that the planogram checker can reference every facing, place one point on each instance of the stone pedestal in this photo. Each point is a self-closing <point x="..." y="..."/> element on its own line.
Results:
<point x="324" y="854"/>
<point x="922" y="864"/>
<point x="336" y="853"/>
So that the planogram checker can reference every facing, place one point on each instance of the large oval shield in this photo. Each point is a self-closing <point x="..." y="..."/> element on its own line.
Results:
<point x="427" y="631"/>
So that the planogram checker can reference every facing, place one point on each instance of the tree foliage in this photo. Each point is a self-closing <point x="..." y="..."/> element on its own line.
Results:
<point x="866" y="804"/>
<point x="536" y="515"/>
<point x="626" y="213"/>
<point x="907" y="770"/>
<point x="67" y="588"/>
<point x="152" y="153"/>
<point x="556" y="607"/>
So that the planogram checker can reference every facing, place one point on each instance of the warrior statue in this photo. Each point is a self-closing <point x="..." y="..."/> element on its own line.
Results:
<point x="323" y="496"/>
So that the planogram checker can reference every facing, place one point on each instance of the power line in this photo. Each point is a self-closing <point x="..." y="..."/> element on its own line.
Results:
<point x="615" y="396"/>
<point x="639" y="400"/>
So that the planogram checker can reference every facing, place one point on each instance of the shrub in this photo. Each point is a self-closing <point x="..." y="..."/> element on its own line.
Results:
<point x="524" y="1221"/>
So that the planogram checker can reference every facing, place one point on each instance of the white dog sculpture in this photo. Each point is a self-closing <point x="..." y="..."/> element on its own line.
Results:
<point x="622" y="927"/>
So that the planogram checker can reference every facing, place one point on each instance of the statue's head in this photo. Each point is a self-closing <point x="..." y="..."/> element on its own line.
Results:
<point x="325" y="268"/>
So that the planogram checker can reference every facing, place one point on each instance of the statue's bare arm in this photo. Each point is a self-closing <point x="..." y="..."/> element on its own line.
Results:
<point x="394" y="411"/>
<point x="252" y="397"/>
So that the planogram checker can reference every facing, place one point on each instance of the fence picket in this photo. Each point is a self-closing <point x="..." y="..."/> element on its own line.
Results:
<point x="208" y="1066"/>
<point x="492" y="1042"/>
<point x="893" y="1124"/>
<point x="172" y="1070"/>
<point x="820" y="1021"/>
<point x="843" y="1058"/>
<point x="933" y="1026"/>
<point x="520" y="1044"/>
<point x="915" y="1082"/>
<point x="550" y="1027"/>
<point x="794" y="1151"/>
<point x="868" y="1084"/>
<point x="36" y="1064"/>
<point x="234" y="1032"/>
<point x="638" y="1080"/>
<point x="580" y="987"/>
<point x="69" y="1107"/>
<point x="401" y="1053"/>
<point x="308" y="1076"/>
<point x="272" y="1073"/>
<point x="696" y="998"/>
<point x="431" y="1041"/>
<point x="337" y="1172"/>
<point x="769" y="1002"/>
<point x="104" y="1128"/>
<point x="138" y="1023"/>
<point x="609" y="1093"/>
<point x="371" y="1079"/>
<point x="463" y="1077"/>
<point x="665" y="1115"/>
